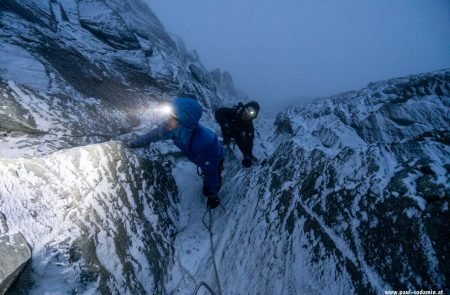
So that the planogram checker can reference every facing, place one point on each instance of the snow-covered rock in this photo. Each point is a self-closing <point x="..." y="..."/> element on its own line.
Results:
<point x="15" y="254"/>
<point x="98" y="219"/>
<point x="74" y="73"/>
<point x="387" y="111"/>
<point x="225" y="82"/>
<point x="351" y="194"/>
<point x="102" y="61"/>
<point x="354" y="198"/>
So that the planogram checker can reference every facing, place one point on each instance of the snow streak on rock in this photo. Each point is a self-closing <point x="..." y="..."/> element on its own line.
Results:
<point x="73" y="73"/>
<point x="98" y="219"/>
<point x="85" y="67"/>
<point x="353" y="199"/>
<point x="351" y="194"/>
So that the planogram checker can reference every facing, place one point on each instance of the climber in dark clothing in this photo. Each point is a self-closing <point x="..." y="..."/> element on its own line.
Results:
<point x="237" y="123"/>
<point x="198" y="143"/>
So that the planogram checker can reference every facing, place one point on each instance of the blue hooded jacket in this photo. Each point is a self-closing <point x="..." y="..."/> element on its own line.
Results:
<point x="197" y="142"/>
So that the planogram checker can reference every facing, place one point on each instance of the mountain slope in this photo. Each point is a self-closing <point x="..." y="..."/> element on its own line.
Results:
<point x="74" y="72"/>
<point x="98" y="219"/>
<point x="353" y="199"/>
<point x="351" y="194"/>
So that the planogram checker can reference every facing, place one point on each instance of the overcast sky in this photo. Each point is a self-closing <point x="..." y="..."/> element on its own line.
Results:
<point x="277" y="50"/>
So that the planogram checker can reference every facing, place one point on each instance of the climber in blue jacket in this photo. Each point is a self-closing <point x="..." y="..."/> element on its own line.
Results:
<point x="197" y="142"/>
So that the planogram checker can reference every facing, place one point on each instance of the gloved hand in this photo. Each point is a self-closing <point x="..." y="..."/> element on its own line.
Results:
<point x="212" y="202"/>
<point x="247" y="162"/>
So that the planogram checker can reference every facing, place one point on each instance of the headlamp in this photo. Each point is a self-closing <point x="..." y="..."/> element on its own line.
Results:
<point x="250" y="111"/>
<point x="167" y="110"/>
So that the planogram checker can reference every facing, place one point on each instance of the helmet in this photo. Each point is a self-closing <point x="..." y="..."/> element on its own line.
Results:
<point x="251" y="109"/>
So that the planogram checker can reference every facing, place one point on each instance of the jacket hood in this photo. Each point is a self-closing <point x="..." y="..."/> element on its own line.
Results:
<point x="187" y="111"/>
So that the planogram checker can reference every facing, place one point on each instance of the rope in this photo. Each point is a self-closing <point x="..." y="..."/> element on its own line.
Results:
<point x="213" y="251"/>
<point x="184" y="270"/>
<point x="204" y="285"/>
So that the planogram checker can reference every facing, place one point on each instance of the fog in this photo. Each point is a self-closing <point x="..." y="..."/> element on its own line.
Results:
<point x="297" y="50"/>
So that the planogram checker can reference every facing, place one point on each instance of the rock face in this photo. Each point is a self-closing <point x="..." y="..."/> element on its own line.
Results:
<point x="354" y="199"/>
<point x="225" y="82"/>
<point x="97" y="218"/>
<point x="14" y="253"/>
<point x="102" y="61"/>
<point x="72" y="74"/>
<point x="352" y="195"/>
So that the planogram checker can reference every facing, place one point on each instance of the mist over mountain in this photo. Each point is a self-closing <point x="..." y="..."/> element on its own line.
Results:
<point x="279" y="50"/>
<point x="350" y="194"/>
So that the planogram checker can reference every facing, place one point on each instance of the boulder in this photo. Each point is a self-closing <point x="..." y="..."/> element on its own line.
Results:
<point x="14" y="255"/>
